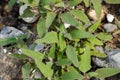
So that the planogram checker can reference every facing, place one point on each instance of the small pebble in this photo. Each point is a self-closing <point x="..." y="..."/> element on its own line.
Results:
<point x="100" y="49"/>
<point x="38" y="47"/>
<point x="66" y="25"/>
<point x="37" y="75"/>
<point x="20" y="51"/>
<point x="5" y="50"/>
<point x="9" y="53"/>
<point x="110" y="17"/>
<point x="109" y="27"/>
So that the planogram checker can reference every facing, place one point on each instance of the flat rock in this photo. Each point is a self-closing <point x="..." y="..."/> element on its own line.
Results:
<point x="8" y="31"/>
<point x="112" y="60"/>
<point x="39" y="47"/>
<point x="110" y="27"/>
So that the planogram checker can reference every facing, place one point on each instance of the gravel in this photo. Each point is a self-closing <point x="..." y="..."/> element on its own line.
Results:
<point x="109" y="27"/>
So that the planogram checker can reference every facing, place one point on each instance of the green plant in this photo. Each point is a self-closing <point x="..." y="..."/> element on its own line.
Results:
<point x="70" y="48"/>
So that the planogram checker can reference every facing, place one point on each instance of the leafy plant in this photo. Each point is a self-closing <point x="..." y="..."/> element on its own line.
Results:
<point x="69" y="55"/>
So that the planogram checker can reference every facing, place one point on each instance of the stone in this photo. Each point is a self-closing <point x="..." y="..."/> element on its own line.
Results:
<point x="111" y="61"/>
<point x="38" y="75"/>
<point x="8" y="31"/>
<point x="114" y="58"/>
<point x="39" y="47"/>
<point x="92" y="14"/>
<point x="101" y="62"/>
<point x="29" y="19"/>
<point x="110" y="17"/>
<point x="67" y="25"/>
<point x="110" y="27"/>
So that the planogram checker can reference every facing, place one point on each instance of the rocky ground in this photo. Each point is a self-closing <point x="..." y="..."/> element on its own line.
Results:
<point x="10" y="68"/>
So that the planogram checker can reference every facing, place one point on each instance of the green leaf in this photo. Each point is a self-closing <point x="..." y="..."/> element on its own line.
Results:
<point x="57" y="1"/>
<point x="18" y="56"/>
<point x="117" y="22"/>
<point x="38" y="57"/>
<point x="52" y="51"/>
<point x="86" y="3"/>
<point x="46" y="2"/>
<point x="98" y="54"/>
<point x="69" y="19"/>
<point x="95" y="41"/>
<point x="62" y="29"/>
<point x="49" y="2"/>
<point x="72" y="55"/>
<point x="85" y="60"/>
<point x="49" y="19"/>
<point x="60" y="4"/>
<point x="107" y="72"/>
<point x="104" y="36"/>
<point x="68" y="35"/>
<point x="34" y="55"/>
<point x="113" y="2"/>
<point x="26" y="71"/>
<point x="32" y="3"/>
<point x="62" y="62"/>
<point x="12" y="40"/>
<point x="92" y="74"/>
<point x="97" y="6"/>
<point x="45" y="69"/>
<point x="72" y="75"/>
<point x="94" y="26"/>
<point x="78" y="34"/>
<point x="74" y="2"/>
<point x="62" y="42"/>
<point x="79" y="14"/>
<point x="27" y="13"/>
<point x="21" y="44"/>
<point x="50" y="37"/>
<point x="41" y="28"/>
<point x="11" y="3"/>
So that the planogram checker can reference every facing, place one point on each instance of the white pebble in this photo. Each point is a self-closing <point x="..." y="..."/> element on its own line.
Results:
<point x="4" y="50"/>
<point x="20" y="51"/>
<point x="66" y="25"/>
<point x="73" y="7"/>
<point x="110" y="17"/>
<point x="9" y="53"/>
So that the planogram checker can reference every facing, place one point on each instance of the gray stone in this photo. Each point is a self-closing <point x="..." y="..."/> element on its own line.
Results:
<point x="8" y="31"/>
<point x="29" y="19"/>
<point x="38" y="75"/>
<point x="109" y="27"/>
<point x="100" y="49"/>
<point x="101" y="62"/>
<point x="39" y="47"/>
<point x="112" y="60"/>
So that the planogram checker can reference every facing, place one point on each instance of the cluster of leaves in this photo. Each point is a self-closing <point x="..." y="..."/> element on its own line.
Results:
<point x="69" y="56"/>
